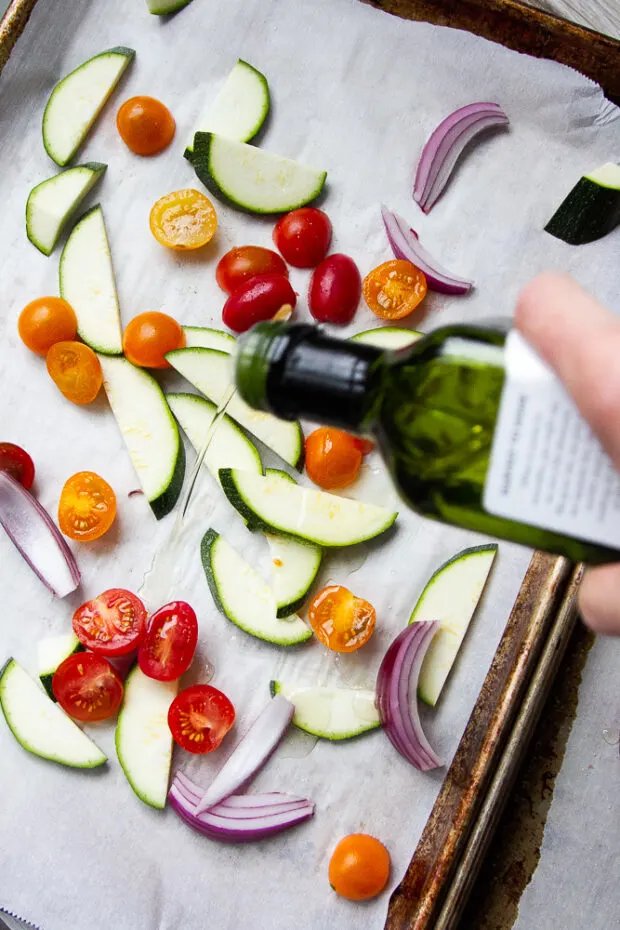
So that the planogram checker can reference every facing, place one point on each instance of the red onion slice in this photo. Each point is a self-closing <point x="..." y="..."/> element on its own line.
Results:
<point x="397" y="684"/>
<point x="237" y="806"/>
<point x="405" y="244"/>
<point x="37" y="537"/>
<point x="446" y="145"/>
<point x="251" y="753"/>
<point x="218" y="824"/>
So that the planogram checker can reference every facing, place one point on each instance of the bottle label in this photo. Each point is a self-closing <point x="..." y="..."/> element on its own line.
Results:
<point x="547" y="468"/>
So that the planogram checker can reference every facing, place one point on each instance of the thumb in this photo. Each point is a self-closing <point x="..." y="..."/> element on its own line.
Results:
<point x="580" y="340"/>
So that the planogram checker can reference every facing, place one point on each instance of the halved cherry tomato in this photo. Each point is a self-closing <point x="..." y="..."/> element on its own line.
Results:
<point x="112" y="624"/>
<point x="149" y="336"/>
<point x="168" y="647"/>
<point x="45" y="321"/>
<point x="335" y="289"/>
<point x="87" y="507"/>
<point x="394" y="289"/>
<point x="359" y="867"/>
<point x="87" y="687"/>
<point x="258" y="299"/>
<point x="183" y="220"/>
<point x="17" y="462"/>
<point x="75" y="370"/>
<point x="333" y="457"/>
<point x="364" y="445"/>
<point x="341" y="621"/>
<point x="245" y="262"/>
<point x="200" y="717"/>
<point x="303" y="236"/>
<point x="145" y="125"/>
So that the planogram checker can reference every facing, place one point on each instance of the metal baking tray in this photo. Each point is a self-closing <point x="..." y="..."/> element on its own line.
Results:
<point x="445" y="863"/>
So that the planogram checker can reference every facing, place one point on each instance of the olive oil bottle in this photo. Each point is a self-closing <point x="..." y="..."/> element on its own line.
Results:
<point x="475" y="429"/>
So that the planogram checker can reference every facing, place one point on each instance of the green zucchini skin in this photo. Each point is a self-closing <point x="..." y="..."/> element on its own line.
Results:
<point x="588" y="213"/>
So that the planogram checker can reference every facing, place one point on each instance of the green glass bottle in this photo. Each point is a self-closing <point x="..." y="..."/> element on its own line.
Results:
<point x="434" y="410"/>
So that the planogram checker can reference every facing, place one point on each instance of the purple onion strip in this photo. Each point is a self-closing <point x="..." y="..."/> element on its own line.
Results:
<point x="446" y="145"/>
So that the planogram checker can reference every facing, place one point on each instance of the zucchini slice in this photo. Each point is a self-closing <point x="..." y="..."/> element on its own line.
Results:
<point x="77" y="100"/>
<point x="51" y="652"/>
<point x="252" y="179"/>
<point x="388" y="337"/>
<point x="87" y="283"/>
<point x="591" y="210"/>
<point x="294" y="564"/>
<point x="330" y="713"/>
<point x="241" y="595"/>
<point x="450" y="596"/>
<point x="52" y="202"/>
<point x="280" y="507"/>
<point x="229" y="447"/>
<point x="211" y="372"/>
<point x="40" y="726"/>
<point x="149" y="430"/>
<point x="143" y="738"/>
<point x="203" y="337"/>
<point x="240" y="108"/>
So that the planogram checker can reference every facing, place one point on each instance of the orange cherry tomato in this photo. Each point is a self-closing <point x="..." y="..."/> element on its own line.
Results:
<point x="145" y="125"/>
<point x="87" y="507"/>
<point x="333" y="457"/>
<point x="75" y="370"/>
<point x="394" y="289"/>
<point x="341" y="621"/>
<point x="149" y="336"/>
<point x="45" y="321"/>
<point x="359" y="867"/>
<point x="183" y="220"/>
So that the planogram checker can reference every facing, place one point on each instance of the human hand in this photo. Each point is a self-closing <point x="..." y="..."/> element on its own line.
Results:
<point x="580" y="340"/>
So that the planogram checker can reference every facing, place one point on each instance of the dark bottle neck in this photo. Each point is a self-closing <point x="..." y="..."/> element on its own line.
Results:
<point x="297" y="371"/>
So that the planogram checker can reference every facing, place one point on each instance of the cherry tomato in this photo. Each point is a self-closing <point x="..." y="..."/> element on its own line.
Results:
<point x="200" y="717"/>
<point x="245" y="262"/>
<point x="341" y="621"/>
<point x="111" y="624"/>
<point x="45" y="321"/>
<point x="168" y="647"/>
<point x="333" y="457"/>
<point x="149" y="336"/>
<point x="258" y="299"/>
<point x="394" y="289"/>
<point x="335" y="288"/>
<point x="303" y="236"/>
<point x="87" y="687"/>
<point x="17" y="462"/>
<point x="87" y="507"/>
<point x="359" y="867"/>
<point x="75" y="370"/>
<point x="183" y="220"/>
<point x="364" y="445"/>
<point x="145" y="125"/>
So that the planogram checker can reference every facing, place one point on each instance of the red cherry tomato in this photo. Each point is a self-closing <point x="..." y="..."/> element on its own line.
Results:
<point x="87" y="687"/>
<point x="258" y="299"/>
<point x="364" y="445"/>
<point x="168" y="646"/>
<point x="17" y="462"/>
<point x="333" y="458"/>
<point x="245" y="262"/>
<point x="303" y="236"/>
<point x="335" y="290"/>
<point x="111" y="624"/>
<point x="200" y="717"/>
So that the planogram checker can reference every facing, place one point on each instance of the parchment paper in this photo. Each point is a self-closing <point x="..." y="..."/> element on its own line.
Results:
<point x="357" y="92"/>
